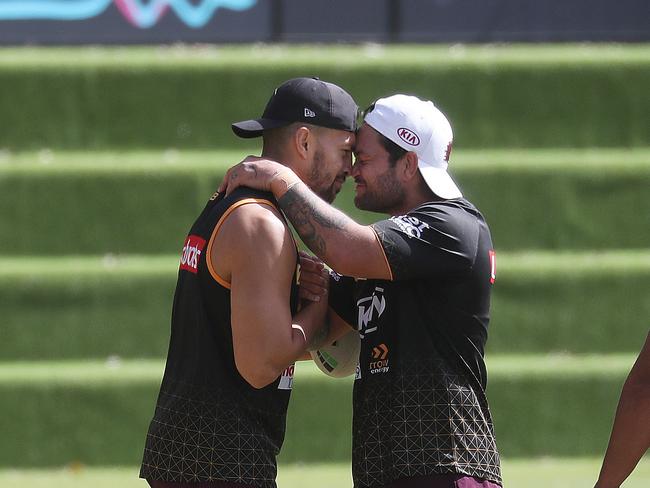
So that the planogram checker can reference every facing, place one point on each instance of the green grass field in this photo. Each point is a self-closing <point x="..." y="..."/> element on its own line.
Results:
<point x="158" y="143"/>
<point x="551" y="142"/>
<point x="526" y="473"/>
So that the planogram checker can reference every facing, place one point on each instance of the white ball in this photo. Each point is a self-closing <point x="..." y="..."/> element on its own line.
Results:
<point x="340" y="358"/>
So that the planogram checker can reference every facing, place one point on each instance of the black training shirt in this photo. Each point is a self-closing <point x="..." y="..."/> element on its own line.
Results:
<point x="419" y="393"/>
<point x="209" y="423"/>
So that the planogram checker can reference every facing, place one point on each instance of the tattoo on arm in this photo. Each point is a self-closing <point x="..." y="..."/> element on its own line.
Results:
<point x="312" y="217"/>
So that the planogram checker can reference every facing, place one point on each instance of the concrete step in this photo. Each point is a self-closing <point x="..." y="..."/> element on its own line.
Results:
<point x="143" y="202"/>
<point x="95" y="307"/>
<point x="187" y="97"/>
<point x="97" y="412"/>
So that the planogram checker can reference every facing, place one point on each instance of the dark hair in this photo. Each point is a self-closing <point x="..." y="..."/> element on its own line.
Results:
<point x="394" y="151"/>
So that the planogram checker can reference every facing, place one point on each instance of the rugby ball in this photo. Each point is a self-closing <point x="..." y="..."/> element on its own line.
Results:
<point x="340" y="358"/>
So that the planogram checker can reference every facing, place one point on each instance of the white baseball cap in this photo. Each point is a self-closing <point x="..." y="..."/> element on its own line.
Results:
<point x="417" y="125"/>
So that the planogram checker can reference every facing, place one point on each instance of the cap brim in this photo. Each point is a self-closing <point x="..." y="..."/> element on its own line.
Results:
<point x="254" y="128"/>
<point x="440" y="182"/>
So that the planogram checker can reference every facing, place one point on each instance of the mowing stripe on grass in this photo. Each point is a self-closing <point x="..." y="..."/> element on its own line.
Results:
<point x="548" y="473"/>
<point x="565" y="161"/>
<point x="511" y="264"/>
<point x="310" y="55"/>
<point x="116" y="370"/>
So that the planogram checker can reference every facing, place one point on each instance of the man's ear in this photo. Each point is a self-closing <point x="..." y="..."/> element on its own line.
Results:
<point x="409" y="166"/>
<point x="303" y="141"/>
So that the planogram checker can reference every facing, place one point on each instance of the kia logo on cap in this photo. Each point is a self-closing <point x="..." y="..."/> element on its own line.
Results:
<point x="408" y="136"/>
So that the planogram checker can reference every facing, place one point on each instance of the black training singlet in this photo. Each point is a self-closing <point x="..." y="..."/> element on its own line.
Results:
<point x="419" y="393"/>
<point x="209" y="423"/>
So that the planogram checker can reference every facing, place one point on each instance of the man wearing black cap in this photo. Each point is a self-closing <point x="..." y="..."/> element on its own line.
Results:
<point x="420" y="300"/>
<point x="236" y="329"/>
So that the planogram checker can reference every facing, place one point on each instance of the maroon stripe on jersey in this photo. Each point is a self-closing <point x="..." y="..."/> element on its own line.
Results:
<point x="442" y="481"/>
<point x="201" y="484"/>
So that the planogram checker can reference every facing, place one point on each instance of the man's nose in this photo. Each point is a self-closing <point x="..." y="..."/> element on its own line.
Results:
<point x="347" y="168"/>
<point x="354" y="170"/>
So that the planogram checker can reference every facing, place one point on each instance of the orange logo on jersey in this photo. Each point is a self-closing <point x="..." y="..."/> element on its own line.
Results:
<point x="379" y="353"/>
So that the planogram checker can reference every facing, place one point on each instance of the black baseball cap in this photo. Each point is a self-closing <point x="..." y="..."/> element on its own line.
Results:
<point x="307" y="100"/>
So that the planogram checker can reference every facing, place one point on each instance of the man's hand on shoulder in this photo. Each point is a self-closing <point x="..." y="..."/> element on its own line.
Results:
<point x="261" y="174"/>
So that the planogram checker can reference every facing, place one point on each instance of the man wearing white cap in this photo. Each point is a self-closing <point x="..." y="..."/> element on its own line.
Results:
<point x="420" y="299"/>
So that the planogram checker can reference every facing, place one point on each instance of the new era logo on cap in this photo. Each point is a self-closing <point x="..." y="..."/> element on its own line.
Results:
<point x="309" y="113"/>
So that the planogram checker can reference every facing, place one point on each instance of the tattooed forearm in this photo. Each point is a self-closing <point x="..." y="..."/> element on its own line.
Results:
<point x="312" y="218"/>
